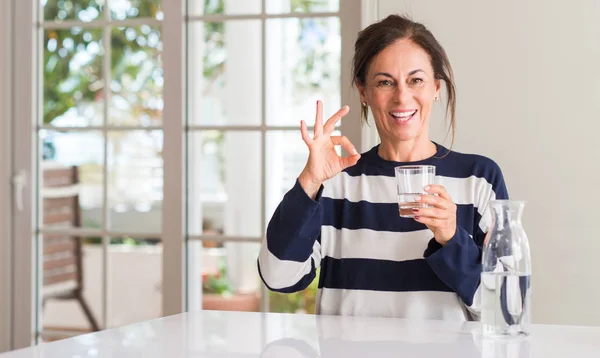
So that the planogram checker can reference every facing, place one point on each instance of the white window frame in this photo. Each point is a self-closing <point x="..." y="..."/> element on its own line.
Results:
<point x="368" y="133"/>
<point x="173" y="214"/>
<point x="5" y="174"/>
<point x="354" y="14"/>
<point x="23" y="116"/>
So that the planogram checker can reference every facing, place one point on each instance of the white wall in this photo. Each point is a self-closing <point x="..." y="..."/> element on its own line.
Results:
<point x="529" y="97"/>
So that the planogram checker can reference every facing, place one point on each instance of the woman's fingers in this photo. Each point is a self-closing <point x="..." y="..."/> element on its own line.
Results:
<point x="438" y="189"/>
<point x="432" y="213"/>
<point x="319" y="119"/>
<point x="305" y="137"/>
<point x="350" y="160"/>
<point x="345" y="143"/>
<point x="440" y="216"/>
<point x="330" y="125"/>
<point x="428" y="221"/>
<point x="435" y="201"/>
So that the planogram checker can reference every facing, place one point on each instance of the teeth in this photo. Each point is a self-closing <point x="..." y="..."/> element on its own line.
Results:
<point x="403" y="115"/>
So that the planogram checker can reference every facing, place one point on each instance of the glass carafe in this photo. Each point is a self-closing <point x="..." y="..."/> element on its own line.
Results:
<point x="506" y="274"/>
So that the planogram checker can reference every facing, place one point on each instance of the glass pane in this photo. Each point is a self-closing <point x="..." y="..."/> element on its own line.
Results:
<point x="286" y="157"/>
<point x="73" y="82"/>
<point x="82" y="10"/>
<point x="226" y="275"/>
<point x="303" y="58"/>
<point x="137" y="76"/>
<point x="71" y="294"/>
<point x="135" y="281"/>
<point x="228" y="7"/>
<point x="224" y="181"/>
<point x="286" y="6"/>
<point x="131" y="9"/>
<point x="71" y="187"/>
<point x="225" y="73"/>
<point x="135" y="180"/>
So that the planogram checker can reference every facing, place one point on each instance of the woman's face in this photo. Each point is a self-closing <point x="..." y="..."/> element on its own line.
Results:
<point x="400" y="88"/>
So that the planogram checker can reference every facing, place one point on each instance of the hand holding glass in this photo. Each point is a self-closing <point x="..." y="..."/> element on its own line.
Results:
<point x="411" y="181"/>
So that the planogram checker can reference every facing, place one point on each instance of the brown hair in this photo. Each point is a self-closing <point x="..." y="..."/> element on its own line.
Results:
<point x="376" y="37"/>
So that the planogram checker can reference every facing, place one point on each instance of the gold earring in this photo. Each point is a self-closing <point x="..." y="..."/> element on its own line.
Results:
<point x="363" y="112"/>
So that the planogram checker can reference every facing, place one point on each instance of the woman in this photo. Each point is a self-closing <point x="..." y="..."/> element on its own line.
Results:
<point x="342" y="214"/>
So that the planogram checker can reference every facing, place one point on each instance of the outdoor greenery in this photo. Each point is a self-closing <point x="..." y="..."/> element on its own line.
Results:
<point x="73" y="63"/>
<point x="218" y="283"/>
<point x="73" y="59"/>
<point x="298" y="302"/>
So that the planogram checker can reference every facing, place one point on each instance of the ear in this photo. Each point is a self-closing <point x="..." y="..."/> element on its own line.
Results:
<point x="437" y="88"/>
<point x="362" y="93"/>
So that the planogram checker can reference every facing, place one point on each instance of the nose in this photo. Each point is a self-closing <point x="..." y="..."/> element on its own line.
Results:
<point x="401" y="93"/>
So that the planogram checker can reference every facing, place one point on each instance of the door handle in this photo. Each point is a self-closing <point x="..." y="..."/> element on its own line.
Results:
<point x="19" y="182"/>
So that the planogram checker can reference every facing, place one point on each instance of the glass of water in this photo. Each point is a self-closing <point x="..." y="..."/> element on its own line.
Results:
<point x="411" y="181"/>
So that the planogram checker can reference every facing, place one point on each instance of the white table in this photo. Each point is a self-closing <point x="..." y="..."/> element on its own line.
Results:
<point x="238" y="334"/>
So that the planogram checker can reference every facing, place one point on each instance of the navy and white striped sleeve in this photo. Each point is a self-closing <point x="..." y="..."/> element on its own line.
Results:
<point x="458" y="263"/>
<point x="291" y="252"/>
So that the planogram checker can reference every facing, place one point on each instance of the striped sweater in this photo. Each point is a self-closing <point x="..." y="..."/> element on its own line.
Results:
<point x="373" y="262"/>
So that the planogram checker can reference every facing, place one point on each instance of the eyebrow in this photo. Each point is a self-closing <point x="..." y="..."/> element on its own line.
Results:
<point x="390" y="76"/>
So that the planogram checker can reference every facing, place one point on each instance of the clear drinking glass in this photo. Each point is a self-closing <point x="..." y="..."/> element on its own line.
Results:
<point x="411" y="181"/>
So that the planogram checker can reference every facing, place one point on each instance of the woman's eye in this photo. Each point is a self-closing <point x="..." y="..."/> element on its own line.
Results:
<point x="385" y="83"/>
<point x="416" y="80"/>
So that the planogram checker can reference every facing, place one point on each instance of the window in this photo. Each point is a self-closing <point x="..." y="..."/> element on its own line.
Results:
<point x="252" y="76"/>
<point x="165" y="136"/>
